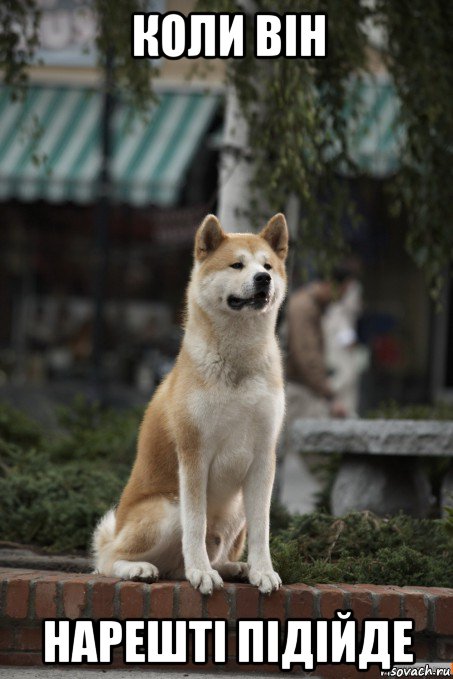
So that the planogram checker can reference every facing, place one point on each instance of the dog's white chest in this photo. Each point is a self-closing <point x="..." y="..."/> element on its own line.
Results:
<point x="225" y="413"/>
<point x="235" y="424"/>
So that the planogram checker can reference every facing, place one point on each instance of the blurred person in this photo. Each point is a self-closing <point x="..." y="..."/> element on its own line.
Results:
<point x="346" y="359"/>
<point x="309" y="391"/>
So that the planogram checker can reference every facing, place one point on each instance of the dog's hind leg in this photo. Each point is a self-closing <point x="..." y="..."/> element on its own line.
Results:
<point x="232" y="568"/>
<point x="238" y="545"/>
<point x="147" y="542"/>
<point x="135" y="570"/>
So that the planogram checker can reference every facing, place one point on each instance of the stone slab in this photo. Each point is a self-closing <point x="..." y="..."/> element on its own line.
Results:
<point x="374" y="437"/>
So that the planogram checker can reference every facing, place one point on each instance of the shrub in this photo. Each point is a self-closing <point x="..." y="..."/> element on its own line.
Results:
<point x="53" y="490"/>
<point x="16" y="427"/>
<point x="95" y="434"/>
<point x="54" y="506"/>
<point x="361" y="547"/>
<point x="391" y="410"/>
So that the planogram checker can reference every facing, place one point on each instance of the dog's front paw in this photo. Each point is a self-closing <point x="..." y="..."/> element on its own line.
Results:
<point x="204" y="580"/>
<point x="267" y="580"/>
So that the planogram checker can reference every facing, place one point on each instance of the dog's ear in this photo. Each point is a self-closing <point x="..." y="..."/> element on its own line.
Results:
<point x="276" y="234"/>
<point x="208" y="238"/>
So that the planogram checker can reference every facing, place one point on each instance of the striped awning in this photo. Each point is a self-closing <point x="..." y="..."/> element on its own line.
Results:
<point x="50" y="145"/>
<point x="375" y="136"/>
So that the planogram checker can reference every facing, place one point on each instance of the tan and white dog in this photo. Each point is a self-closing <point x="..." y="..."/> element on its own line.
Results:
<point x="206" y="451"/>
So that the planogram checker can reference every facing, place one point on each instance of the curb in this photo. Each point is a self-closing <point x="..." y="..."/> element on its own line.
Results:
<point x="29" y="596"/>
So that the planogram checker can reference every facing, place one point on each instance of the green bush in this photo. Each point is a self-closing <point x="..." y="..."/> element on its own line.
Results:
<point x="18" y="428"/>
<point x="92" y="433"/>
<point x="361" y="547"/>
<point x="54" y="487"/>
<point x="391" y="410"/>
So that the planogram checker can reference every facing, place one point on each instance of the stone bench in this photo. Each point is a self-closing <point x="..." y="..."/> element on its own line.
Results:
<point x="380" y="470"/>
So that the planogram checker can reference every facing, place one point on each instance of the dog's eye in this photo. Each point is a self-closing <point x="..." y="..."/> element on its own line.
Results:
<point x="268" y="267"/>
<point x="237" y="265"/>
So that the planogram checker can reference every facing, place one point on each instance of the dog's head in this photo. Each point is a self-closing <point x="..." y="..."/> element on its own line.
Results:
<point x="240" y="273"/>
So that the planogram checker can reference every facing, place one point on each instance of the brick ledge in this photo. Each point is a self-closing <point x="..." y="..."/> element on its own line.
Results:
<point x="29" y="596"/>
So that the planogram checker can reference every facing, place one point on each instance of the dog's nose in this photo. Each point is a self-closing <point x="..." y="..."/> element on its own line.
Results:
<point x="262" y="279"/>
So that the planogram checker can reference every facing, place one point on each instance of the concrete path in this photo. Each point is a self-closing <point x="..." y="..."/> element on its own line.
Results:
<point x="88" y="673"/>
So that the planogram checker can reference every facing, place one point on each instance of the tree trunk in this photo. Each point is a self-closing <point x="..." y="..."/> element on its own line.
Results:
<point x="236" y="169"/>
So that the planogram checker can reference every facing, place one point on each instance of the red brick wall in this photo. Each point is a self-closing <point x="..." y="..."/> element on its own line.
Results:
<point x="27" y="597"/>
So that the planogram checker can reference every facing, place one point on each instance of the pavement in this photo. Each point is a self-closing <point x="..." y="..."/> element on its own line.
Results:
<point x="87" y="673"/>
<point x="14" y="555"/>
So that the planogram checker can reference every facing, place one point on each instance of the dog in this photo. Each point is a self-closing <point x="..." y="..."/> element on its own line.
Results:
<point x="205" y="463"/>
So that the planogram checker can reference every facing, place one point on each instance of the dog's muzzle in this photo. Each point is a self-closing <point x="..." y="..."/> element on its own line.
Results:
<point x="260" y="298"/>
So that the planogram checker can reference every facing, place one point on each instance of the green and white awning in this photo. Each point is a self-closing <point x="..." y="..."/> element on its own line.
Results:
<point x="50" y="142"/>
<point x="50" y="145"/>
<point x="374" y="134"/>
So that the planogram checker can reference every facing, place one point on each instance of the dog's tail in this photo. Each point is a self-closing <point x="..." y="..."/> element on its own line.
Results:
<point x="102" y="542"/>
